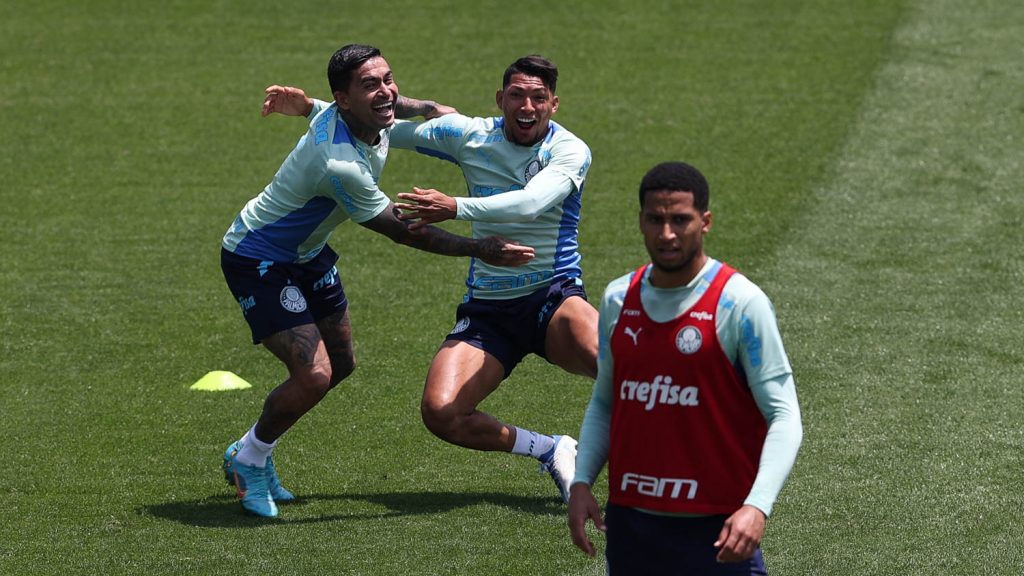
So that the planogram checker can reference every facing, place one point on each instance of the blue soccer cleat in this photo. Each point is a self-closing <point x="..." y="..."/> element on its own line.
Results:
<point x="251" y="486"/>
<point x="279" y="493"/>
<point x="560" y="462"/>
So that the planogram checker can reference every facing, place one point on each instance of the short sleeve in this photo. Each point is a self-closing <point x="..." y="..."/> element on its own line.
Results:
<point x="355" y="190"/>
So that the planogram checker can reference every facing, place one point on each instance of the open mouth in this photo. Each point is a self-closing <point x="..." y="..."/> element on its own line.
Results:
<point x="384" y="107"/>
<point x="526" y="123"/>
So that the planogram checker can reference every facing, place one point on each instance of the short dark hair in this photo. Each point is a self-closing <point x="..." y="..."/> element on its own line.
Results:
<point x="344" y="61"/>
<point x="533" y="65"/>
<point x="676" y="177"/>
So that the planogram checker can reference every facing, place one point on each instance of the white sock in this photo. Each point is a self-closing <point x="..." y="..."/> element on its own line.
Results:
<point x="530" y="443"/>
<point x="254" y="451"/>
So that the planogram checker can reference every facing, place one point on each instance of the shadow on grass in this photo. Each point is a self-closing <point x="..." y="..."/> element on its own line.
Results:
<point x="226" y="511"/>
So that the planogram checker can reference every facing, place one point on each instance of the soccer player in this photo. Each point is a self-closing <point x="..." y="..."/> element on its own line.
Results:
<point x="525" y="175"/>
<point x="694" y="406"/>
<point x="279" y="267"/>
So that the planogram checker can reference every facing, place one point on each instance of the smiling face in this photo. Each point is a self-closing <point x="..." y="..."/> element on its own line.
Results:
<point x="368" y="104"/>
<point x="527" y="105"/>
<point x="673" y="230"/>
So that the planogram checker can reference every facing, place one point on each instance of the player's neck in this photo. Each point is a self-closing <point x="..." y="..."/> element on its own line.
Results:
<point x="360" y="131"/>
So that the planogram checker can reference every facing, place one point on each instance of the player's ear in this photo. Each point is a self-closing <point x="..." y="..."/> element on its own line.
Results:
<point x="342" y="100"/>
<point x="554" y="104"/>
<point x="497" y="97"/>
<point x="706" y="217"/>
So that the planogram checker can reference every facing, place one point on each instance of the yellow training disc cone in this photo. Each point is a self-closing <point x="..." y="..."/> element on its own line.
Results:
<point x="220" y="380"/>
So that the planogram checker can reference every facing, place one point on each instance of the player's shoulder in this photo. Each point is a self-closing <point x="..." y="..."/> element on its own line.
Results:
<point x="616" y="289"/>
<point x="323" y="124"/>
<point x="741" y="292"/>
<point x="560" y="143"/>
<point x="563" y="136"/>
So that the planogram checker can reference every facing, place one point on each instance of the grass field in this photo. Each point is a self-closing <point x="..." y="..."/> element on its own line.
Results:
<point x="865" y="161"/>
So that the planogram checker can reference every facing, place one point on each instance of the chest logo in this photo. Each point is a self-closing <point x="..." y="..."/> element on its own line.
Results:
<point x="532" y="169"/>
<point x="629" y="332"/>
<point x="688" y="340"/>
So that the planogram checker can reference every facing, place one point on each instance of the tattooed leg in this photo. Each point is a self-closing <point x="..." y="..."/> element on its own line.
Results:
<point x="336" y="331"/>
<point x="309" y="378"/>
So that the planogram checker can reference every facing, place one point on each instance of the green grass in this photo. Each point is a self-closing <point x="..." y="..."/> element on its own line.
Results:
<point x="864" y="161"/>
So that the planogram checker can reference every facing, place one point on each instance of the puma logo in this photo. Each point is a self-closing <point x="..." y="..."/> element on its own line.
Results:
<point x="629" y="332"/>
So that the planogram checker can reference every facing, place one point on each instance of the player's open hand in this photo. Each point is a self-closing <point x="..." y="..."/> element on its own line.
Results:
<point x="426" y="206"/>
<point x="741" y="535"/>
<point x="583" y="506"/>
<point x="286" y="100"/>
<point x="498" y="251"/>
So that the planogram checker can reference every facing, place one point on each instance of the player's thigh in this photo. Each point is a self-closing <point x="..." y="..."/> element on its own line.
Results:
<point x="301" y="348"/>
<point x="336" y="331"/>
<point x="571" y="339"/>
<point x="460" y="377"/>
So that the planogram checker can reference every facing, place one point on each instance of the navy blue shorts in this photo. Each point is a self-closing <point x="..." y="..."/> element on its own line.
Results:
<point x="511" y="329"/>
<point x="276" y="296"/>
<point x="642" y="543"/>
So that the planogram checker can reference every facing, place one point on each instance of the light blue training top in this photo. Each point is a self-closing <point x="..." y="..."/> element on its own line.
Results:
<point x="329" y="177"/>
<point x="530" y="194"/>
<point x="749" y="335"/>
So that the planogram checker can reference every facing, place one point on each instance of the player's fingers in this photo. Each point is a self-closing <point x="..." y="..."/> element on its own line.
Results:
<point x="270" y="104"/>
<point x="517" y="249"/>
<point x="411" y="198"/>
<point x="578" y="532"/>
<point x="737" y="547"/>
<point x="587" y="546"/>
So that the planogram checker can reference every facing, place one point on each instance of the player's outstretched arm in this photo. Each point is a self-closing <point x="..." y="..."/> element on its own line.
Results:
<point x="292" y="101"/>
<point x="286" y="100"/>
<point x="410" y="107"/>
<point x="583" y="506"/>
<point x="428" y="206"/>
<point x="494" y="250"/>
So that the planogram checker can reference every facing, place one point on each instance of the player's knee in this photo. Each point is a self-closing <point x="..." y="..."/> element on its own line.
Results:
<point x="316" y="380"/>
<point x="440" y="418"/>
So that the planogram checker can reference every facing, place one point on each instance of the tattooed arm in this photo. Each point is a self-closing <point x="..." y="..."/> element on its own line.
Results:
<point x="292" y="101"/>
<point x="410" y="107"/>
<point x="494" y="250"/>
